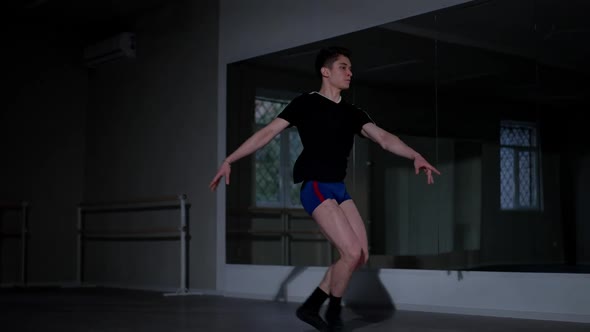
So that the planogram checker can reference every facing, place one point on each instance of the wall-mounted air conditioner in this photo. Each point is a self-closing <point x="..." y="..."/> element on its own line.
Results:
<point x="119" y="46"/>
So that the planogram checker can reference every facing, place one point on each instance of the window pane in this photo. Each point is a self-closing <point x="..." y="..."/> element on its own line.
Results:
<point x="506" y="136"/>
<point x="268" y="172"/>
<point x="295" y="148"/>
<point x="534" y="181"/>
<point x="266" y="110"/>
<point x="517" y="135"/>
<point x="268" y="177"/>
<point x="524" y="178"/>
<point x="527" y="177"/>
<point x="507" y="186"/>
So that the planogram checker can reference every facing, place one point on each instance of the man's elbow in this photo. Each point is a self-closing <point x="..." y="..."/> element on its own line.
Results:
<point x="384" y="141"/>
<point x="386" y="145"/>
<point x="389" y="142"/>
<point x="383" y="145"/>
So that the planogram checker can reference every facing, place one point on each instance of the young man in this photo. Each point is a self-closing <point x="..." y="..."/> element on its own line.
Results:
<point x="327" y="126"/>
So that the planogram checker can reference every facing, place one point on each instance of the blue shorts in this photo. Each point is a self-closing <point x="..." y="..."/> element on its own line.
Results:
<point x="313" y="193"/>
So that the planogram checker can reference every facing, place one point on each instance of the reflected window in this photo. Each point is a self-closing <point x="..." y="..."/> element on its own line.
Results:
<point x="274" y="163"/>
<point x="519" y="166"/>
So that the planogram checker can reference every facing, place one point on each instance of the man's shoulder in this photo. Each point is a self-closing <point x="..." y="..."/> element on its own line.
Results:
<point x="302" y="97"/>
<point x="308" y="95"/>
<point x="305" y="100"/>
<point x="351" y="106"/>
<point x="358" y="111"/>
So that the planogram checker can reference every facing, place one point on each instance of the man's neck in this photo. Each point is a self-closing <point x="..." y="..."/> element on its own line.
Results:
<point x="331" y="93"/>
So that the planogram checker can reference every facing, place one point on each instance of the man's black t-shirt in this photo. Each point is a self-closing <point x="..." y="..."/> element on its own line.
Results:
<point x="327" y="132"/>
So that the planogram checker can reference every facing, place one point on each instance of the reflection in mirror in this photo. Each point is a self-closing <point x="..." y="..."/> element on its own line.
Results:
<point x="489" y="92"/>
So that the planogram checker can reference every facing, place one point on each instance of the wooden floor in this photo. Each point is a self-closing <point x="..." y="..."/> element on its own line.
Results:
<point x="98" y="309"/>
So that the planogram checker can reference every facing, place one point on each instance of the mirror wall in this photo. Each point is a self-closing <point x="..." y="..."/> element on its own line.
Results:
<point x="492" y="93"/>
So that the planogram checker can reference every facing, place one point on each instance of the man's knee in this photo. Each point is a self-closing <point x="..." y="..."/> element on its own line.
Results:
<point x="352" y="255"/>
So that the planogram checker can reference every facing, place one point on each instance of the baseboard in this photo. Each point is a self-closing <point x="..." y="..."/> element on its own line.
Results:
<point x="167" y="291"/>
<point x="73" y="284"/>
<point x="253" y="296"/>
<point x="12" y="285"/>
<point x="549" y="316"/>
<point x="41" y="284"/>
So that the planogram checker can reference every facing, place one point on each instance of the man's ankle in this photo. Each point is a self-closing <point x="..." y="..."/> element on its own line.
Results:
<point x="314" y="301"/>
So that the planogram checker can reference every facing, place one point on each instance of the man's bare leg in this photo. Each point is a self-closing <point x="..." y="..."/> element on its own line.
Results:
<point x="358" y="226"/>
<point x="325" y="283"/>
<point x="333" y="224"/>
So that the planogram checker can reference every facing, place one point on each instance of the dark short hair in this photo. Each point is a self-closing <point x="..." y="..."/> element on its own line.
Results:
<point x="328" y="55"/>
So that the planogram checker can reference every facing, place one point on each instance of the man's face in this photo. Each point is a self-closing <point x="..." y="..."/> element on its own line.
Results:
<point x="340" y="74"/>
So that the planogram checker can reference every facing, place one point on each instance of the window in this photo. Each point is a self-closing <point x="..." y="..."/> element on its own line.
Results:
<point x="274" y="163"/>
<point x="519" y="166"/>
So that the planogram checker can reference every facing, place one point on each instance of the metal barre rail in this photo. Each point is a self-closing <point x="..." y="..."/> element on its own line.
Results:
<point x="159" y="202"/>
<point x="23" y="207"/>
<point x="273" y="232"/>
<point x="151" y="231"/>
<point x="286" y="234"/>
<point x="181" y="233"/>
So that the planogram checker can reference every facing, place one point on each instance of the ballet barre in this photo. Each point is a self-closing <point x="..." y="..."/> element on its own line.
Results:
<point x="286" y="234"/>
<point x="159" y="233"/>
<point x="23" y="207"/>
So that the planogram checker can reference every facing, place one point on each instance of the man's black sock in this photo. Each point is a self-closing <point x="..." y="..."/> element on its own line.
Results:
<point x="334" y="308"/>
<point x="309" y="311"/>
<point x="315" y="300"/>
<point x="333" y="319"/>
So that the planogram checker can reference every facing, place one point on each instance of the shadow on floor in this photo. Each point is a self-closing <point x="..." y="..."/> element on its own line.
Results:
<point x="367" y="299"/>
<point x="282" y="295"/>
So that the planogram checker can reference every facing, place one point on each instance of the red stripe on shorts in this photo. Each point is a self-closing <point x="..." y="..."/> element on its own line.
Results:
<point x="317" y="191"/>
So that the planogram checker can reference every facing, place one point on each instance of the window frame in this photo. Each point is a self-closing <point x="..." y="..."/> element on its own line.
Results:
<point x="285" y="168"/>
<point x="535" y="155"/>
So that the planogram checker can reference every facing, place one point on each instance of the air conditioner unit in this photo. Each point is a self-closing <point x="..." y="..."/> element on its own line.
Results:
<point x="120" y="46"/>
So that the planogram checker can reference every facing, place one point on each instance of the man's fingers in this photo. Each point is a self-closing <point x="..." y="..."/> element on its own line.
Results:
<point x="215" y="182"/>
<point x="220" y="174"/>
<point x="434" y="169"/>
<point x="428" y="169"/>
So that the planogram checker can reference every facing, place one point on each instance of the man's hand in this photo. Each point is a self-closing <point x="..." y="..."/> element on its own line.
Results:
<point x="224" y="170"/>
<point x="421" y="163"/>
